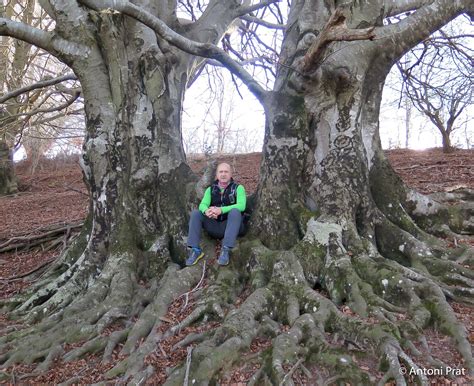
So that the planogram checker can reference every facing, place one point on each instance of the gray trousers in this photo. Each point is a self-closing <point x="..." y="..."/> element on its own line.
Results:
<point x="228" y="229"/>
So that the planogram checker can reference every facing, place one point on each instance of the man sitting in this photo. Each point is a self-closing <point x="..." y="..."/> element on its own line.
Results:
<point x="220" y="213"/>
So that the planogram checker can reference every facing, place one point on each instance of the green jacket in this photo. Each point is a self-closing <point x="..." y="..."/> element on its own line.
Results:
<point x="240" y="204"/>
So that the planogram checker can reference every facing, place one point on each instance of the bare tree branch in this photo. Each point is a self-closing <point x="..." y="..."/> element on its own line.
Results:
<point x="441" y="93"/>
<point x="41" y="84"/>
<point x="60" y="107"/>
<point x="56" y="137"/>
<point x="206" y="50"/>
<point x="26" y="33"/>
<point x="48" y="41"/>
<point x="79" y="111"/>
<point x="263" y="23"/>
<point x="245" y="10"/>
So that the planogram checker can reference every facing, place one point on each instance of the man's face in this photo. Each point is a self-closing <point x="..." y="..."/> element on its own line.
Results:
<point x="223" y="173"/>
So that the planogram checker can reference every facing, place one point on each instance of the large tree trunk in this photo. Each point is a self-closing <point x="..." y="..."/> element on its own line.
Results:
<point x="8" y="184"/>
<point x="11" y="77"/>
<point x="133" y="160"/>
<point x="322" y="145"/>
<point x="328" y="192"/>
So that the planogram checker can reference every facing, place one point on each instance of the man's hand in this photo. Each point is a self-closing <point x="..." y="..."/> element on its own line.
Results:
<point x="209" y="213"/>
<point x="213" y="212"/>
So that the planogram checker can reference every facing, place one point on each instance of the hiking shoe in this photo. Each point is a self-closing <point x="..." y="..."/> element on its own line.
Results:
<point x="224" y="256"/>
<point x="195" y="254"/>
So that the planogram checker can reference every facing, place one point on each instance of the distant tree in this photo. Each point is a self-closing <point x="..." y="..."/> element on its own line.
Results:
<point x="36" y="90"/>
<point x="8" y="183"/>
<point x="220" y="114"/>
<point x="222" y="118"/>
<point x="7" y="9"/>
<point x="214" y="118"/>
<point x="438" y="79"/>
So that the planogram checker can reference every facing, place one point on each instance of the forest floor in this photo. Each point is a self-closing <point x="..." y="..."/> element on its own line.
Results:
<point x="55" y="196"/>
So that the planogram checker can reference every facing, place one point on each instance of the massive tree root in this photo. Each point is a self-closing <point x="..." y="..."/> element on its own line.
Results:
<point x="395" y="304"/>
<point x="116" y="298"/>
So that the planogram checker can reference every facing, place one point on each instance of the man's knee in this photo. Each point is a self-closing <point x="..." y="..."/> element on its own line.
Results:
<point x="196" y="214"/>
<point x="234" y="213"/>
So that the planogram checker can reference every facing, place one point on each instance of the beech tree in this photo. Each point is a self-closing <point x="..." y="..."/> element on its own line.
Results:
<point x="8" y="183"/>
<point x="32" y="101"/>
<point x="330" y="212"/>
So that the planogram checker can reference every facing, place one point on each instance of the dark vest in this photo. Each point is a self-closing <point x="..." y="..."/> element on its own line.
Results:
<point x="224" y="198"/>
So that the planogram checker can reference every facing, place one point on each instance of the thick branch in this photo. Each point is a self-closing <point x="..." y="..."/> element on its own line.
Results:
<point x="48" y="41"/>
<point x="60" y="107"/>
<point x="40" y="84"/>
<point x="26" y="33"/>
<point x="206" y="50"/>
<point x="396" y="7"/>
<point x="334" y="30"/>
<point x="29" y="241"/>
<point x="403" y="36"/>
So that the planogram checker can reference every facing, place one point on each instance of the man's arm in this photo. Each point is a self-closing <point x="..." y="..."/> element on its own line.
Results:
<point x="240" y="204"/>
<point x="206" y="201"/>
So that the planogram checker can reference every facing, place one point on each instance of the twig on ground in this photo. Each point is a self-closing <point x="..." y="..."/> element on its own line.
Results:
<point x="78" y="191"/>
<point x="28" y="241"/>
<point x="188" y="366"/>
<point x="162" y="350"/>
<point x="17" y="194"/>
<point x="186" y="295"/>
<point x="292" y="370"/>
